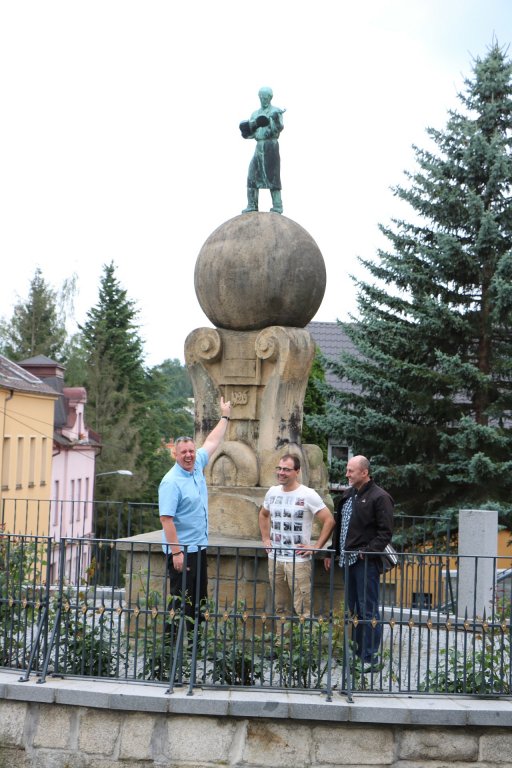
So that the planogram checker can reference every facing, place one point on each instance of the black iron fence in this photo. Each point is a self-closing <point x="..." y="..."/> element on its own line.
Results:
<point x="77" y="518"/>
<point x="442" y="621"/>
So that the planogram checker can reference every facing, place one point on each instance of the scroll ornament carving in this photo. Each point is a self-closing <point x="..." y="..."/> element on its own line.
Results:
<point x="208" y="345"/>
<point x="267" y="345"/>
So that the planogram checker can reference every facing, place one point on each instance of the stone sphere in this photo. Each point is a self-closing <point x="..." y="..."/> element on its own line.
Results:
<point x="257" y="270"/>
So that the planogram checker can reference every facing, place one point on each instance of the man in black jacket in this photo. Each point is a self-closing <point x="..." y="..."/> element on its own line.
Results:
<point x="364" y="524"/>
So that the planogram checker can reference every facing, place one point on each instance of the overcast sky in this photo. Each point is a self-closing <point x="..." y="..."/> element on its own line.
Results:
<point x="119" y="135"/>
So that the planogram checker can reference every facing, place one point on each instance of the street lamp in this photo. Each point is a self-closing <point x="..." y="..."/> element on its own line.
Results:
<point x="107" y="504"/>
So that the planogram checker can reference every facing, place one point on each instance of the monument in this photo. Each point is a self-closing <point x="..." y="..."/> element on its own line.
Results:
<point x="259" y="278"/>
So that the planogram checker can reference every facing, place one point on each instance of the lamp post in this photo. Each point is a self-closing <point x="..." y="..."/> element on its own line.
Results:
<point x="106" y="505"/>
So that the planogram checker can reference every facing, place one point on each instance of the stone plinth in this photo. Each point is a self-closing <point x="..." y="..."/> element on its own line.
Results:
<point x="264" y="374"/>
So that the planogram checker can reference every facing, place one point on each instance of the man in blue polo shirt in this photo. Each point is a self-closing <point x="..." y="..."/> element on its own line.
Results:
<point x="183" y="505"/>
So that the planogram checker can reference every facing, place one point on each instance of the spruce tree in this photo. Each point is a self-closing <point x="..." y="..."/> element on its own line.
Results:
<point x="36" y="326"/>
<point x="111" y="335"/>
<point x="116" y="386"/>
<point x="433" y="371"/>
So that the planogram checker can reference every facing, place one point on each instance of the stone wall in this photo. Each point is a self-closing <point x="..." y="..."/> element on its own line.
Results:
<point x="59" y="736"/>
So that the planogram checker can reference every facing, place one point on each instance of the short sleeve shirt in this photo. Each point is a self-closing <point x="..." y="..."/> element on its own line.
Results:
<point x="291" y="518"/>
<point x="183" y="495"/>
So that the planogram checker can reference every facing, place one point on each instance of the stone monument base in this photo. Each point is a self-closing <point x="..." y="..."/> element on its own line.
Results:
<point x="237" y="571"/>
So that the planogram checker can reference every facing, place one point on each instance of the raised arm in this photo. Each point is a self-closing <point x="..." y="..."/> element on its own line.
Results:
<point x="216" y="436"/>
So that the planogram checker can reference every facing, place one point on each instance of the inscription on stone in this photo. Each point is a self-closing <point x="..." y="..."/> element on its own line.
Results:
<point x="239" y="398"/>
<point x="243" y="400"/>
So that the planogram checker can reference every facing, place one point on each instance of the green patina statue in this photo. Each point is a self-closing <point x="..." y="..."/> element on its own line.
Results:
<point x="264" y="125"/>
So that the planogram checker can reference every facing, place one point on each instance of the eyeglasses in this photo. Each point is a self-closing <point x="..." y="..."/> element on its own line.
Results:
<point x="183" y="439"/>
<point x="285" y="469"/>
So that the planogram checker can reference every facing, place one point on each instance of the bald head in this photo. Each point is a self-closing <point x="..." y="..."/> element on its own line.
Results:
<point x="358" y="471"/>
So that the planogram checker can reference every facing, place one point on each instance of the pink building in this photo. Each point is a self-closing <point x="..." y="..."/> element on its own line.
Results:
<point x="75" y="448"/>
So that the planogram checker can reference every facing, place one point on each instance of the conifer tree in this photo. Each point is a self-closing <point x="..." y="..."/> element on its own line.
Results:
<point x="433" y="406"/>
<point x="111" y="335"/>
<point x="36" y="326"/>
<point x="116" y="385"/>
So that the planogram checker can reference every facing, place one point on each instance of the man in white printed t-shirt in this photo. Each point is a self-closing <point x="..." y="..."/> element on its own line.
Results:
<point x="286" y="519"/>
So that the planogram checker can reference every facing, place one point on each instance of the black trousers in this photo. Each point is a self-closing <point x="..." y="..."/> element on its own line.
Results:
<point x="190" y="585"/>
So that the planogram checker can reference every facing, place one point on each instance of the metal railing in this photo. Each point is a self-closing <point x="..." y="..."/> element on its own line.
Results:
<point x="443" y="622"/>
<point x="121" y="519"/>
<point x="73" y="518"/>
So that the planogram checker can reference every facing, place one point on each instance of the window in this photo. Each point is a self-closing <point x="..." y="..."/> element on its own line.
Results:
<point x="338" y="453"/>
<point x="78" y="497"/>
<point x="86" y="497"/>
<point x="6" y="463"/>
<point x="72" y="500"/>
<point x="19" y="462"/>
<point x="32" y="463"/>
<point x="44" y="443"/>
<point x="56" y="498"/>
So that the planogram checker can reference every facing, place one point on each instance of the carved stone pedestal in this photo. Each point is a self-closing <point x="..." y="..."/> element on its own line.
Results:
<point x="264" y="374"/>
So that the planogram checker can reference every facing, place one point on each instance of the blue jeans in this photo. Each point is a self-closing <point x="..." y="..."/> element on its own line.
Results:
<point x="362" y="593"/>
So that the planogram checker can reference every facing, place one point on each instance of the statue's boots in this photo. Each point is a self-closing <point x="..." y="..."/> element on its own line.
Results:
<point x="277" y="205"/>
<point x="252" y="200"/>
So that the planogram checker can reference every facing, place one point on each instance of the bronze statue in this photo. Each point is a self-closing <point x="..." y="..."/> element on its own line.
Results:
<point x="264" y="125"/>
